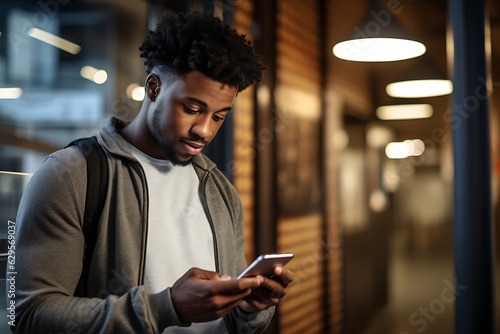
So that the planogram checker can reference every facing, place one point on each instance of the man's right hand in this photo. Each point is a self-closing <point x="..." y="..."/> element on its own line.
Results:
<point x="201" y="295"/>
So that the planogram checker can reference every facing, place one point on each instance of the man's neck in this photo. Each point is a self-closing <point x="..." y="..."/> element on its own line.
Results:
<point x="138" y="134"/>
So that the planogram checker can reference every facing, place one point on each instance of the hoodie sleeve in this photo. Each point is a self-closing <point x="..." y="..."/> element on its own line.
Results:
<point x="49" y="250"/>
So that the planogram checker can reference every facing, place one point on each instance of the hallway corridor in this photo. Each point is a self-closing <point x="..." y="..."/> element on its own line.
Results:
<point x="420" y="300"/>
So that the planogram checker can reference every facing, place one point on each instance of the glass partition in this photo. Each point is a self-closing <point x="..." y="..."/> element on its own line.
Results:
<point x="64" y="67"/>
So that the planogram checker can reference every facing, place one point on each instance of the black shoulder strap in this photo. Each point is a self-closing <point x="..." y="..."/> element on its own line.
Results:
<point x="97" y="182"/>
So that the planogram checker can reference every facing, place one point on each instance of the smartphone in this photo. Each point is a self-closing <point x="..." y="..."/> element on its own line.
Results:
<point x="265" y="264"/>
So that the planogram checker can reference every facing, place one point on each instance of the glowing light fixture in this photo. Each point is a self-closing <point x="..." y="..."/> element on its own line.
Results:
<point x="378" y="49"/>
<point x="136" y="92"/>
<point x="417" y="147"/>
<point x="54" y="40"/>
<point x="379" y="38"/>
<point x="10" y="93"/>
<point x="404" y="111"/>
<point x="405" y="149"/>
<point x="94" y="74"/>
<point x="419" y="88"/>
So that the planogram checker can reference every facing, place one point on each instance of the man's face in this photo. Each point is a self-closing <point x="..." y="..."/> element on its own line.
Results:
<point x="189" y="112"/>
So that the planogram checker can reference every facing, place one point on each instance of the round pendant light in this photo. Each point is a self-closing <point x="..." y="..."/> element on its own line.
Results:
<point x="419" y="88"/>
<point x="379" y="38"/>
<point x="378" y="49"/>
<point x="404" y="111"/>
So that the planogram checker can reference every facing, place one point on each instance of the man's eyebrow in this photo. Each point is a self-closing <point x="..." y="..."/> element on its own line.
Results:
<point x="204" y="104"/>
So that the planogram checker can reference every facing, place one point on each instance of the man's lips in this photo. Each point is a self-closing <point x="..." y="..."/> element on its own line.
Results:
<point x="193" y="148"/>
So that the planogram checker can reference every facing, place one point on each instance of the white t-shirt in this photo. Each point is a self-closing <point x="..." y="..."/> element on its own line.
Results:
<point x="179" y="234"/>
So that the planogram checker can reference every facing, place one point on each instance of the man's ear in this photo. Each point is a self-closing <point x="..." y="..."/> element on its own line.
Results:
<point x="153" y="85"/>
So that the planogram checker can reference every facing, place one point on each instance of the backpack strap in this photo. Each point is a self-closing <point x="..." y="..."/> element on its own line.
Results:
<point x="97" y="182"/>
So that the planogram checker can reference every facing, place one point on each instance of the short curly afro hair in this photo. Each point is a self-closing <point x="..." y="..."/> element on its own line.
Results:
<point x="198" y="42"/>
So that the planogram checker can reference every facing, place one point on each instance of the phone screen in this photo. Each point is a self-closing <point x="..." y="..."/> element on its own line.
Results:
<point x="265" y="264"/>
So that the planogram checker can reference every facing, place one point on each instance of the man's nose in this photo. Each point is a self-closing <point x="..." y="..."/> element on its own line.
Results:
<point x="202" y="126"/>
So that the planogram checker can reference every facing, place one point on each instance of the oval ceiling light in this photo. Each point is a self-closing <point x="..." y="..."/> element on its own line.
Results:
<point x="378" y="49"/>
<point x="404" y="111"/>
<point x="419" y="88"/>
<point x="379" y="37"/>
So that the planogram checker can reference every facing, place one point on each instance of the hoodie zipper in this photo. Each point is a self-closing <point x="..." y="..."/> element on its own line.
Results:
<point x="145" y="224"/>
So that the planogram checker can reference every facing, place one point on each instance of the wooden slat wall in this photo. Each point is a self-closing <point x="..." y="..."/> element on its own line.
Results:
<point x="244" y="150"/>
<point x="303" y="310"/>
<point x="299" y="93"/>
<point x="298" y="73"/>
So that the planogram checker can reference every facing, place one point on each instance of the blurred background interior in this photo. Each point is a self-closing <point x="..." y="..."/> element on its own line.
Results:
<point x="362" y="197"/>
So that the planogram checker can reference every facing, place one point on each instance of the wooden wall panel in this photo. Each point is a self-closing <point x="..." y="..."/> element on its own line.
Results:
<point x="300" y="229"/>
<point x="298" y="45"/>
<point x="313" y="304"/>
<point x="303" y="310"/>
<point x="244" y="140"/>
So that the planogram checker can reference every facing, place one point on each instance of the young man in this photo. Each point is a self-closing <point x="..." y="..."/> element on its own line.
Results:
<point x="170" y="236"/>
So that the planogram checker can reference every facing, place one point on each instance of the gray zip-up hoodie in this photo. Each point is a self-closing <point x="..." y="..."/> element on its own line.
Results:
<point x="50" y="247"/>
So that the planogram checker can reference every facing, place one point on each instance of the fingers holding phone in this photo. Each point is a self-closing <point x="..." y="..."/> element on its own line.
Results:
<point x="201" y="295"/>
<point x="276" y="278"/>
